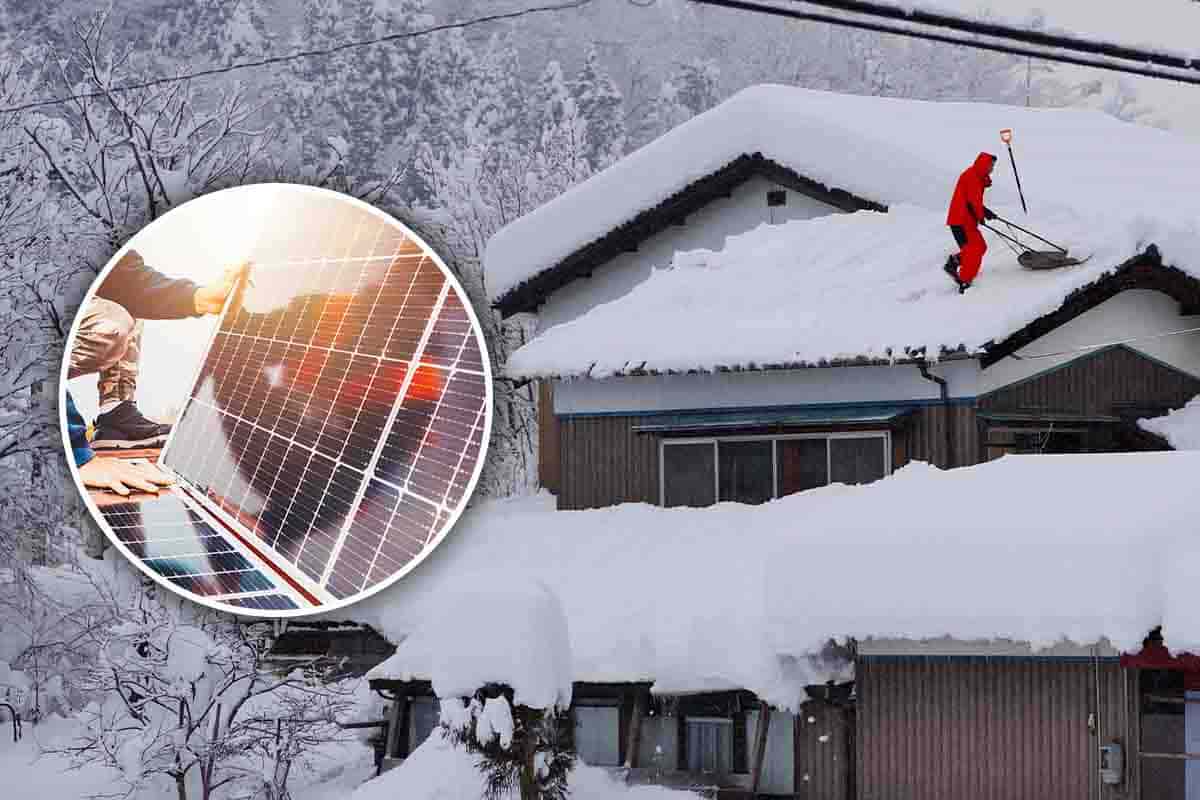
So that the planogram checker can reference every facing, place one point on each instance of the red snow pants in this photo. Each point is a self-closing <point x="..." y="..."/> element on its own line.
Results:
<point x="971" y="249"/>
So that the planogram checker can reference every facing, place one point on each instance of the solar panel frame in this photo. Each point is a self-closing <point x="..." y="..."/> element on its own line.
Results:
<point x="468" y="357"/>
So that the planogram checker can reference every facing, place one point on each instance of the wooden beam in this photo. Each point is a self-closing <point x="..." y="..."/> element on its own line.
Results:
<point x="633" y="736"/>
<point x="393" y="731"/>
<point x="760" y="745"/>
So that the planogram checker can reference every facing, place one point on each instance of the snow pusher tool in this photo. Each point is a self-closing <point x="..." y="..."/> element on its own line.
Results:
<point x="1034" y="259"/>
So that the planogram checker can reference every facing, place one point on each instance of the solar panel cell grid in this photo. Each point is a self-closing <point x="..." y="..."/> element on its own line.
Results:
<point x="175" y="542"/>
<point x="339" y="412"/>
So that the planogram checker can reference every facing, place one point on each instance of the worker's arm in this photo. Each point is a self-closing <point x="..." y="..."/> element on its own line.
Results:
<point x="146" y="293"/>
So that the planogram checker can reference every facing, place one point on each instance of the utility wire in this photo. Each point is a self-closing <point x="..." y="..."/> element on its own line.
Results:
<point x="982" y="36"/>
<point x="1086" y="347"/>
<point x="295" y="56"/>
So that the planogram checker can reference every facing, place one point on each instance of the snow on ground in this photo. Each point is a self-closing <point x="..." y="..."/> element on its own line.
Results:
<point x="438" y="771"/>
<point x="1091" y="179"/>
<point x="493" y="630"/>
<point x="1030" y="548"/>
<point x="1180" y="427"/>
<point x="836" y="287"/>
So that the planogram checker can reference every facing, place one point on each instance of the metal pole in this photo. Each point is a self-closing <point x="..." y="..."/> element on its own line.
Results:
<point x="1017" y="175"/>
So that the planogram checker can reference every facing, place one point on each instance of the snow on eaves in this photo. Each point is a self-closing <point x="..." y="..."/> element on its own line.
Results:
<point x="1180" y="427"/>
<point x="836" y="288"/>
<point x="1027" y="548"/>
<point x="1108" y="177"/>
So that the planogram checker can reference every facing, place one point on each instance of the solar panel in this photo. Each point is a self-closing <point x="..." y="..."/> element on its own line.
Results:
<point x="341" y="409"/>
<point x="175" y="541"/>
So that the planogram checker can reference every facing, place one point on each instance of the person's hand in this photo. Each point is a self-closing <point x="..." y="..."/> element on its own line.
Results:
<point x="123" y="477"/>
<point x="988" y="214"/>
<point x="210" y="299"/>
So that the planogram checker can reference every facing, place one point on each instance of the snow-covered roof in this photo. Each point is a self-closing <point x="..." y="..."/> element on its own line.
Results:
<point x="1180" y="427"/>
<point x="1028" y="548"/>
<point x="1095" y="184"/>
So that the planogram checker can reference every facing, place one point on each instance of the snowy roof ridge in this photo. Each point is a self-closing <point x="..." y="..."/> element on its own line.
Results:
<point x="885" y="150"/>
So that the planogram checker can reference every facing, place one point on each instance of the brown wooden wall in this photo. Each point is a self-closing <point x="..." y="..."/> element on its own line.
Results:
<point x="604" y="462"/>
<point x="1097" y="384"/>
<point x="990" y="729"/>
<point x="924" y="438"/>
<point x="549" y="452"/>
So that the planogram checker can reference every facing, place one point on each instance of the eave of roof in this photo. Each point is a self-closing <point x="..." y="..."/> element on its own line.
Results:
<point x="528" y="295"/>
<point x="1145" y="270"/>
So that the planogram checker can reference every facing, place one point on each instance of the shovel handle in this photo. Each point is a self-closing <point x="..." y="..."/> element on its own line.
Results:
<point x="1058" y="247"/>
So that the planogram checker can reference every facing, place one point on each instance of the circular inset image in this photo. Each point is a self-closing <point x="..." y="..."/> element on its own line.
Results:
<point x="276" y="400"/>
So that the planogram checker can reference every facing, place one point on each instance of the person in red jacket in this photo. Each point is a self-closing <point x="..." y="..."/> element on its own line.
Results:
<point x="966" y="212"/>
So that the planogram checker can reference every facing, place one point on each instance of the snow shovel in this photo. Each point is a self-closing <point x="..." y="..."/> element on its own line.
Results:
<point x="1035" y="259"/>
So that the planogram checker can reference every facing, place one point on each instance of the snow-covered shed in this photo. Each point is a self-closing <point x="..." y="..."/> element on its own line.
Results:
<point x="964" y="633"/>
<point x="753" y="304"/>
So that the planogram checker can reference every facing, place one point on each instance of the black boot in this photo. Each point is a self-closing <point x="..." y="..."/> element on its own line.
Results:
<point x="125" y="427"/>
<point x="951" y="269"/>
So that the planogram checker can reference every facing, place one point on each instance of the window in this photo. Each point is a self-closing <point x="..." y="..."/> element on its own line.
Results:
<point x="691" y="469"/>
<point x="710" y="745"/>
<point x="745" y="474"/>
<point x="754" y="469"/>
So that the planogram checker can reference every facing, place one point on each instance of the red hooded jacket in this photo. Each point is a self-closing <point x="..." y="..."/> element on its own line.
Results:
<point x="969" y="189"/>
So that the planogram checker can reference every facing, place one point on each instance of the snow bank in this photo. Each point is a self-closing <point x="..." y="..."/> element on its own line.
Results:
<point x="1030" y="548"/>
<point x="1180" y="427"/>
<point x="1091" y="179"/>
<point x="837" y="287"/>
<point x="509" y="630"/>
<point x="438" y="771"/>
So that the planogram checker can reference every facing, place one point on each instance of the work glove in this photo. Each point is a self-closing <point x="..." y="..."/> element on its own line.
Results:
<point x="988" y="214"/>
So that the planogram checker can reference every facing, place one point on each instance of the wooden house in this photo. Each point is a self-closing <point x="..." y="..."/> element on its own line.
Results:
<point x="752" y="307"/>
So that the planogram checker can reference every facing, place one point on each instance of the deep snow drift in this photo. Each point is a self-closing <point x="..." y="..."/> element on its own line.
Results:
<point x="1032" y="548"/>
<point x="492" y="629"/>
<point x="1180" y="427"/>
<point x="438" y="771"/>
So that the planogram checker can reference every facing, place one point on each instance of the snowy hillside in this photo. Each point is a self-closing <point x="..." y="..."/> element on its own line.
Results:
<point x="1011" y="549"/>
<point x="1180" y="427"/>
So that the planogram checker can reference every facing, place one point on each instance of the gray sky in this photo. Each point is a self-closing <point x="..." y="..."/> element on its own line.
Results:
<point x="1171" y="25"/>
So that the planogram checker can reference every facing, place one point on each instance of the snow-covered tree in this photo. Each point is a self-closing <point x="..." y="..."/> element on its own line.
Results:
<point x="600" y="105"/>
<point x="524" y="752"/>
<point x="181" y="700"/>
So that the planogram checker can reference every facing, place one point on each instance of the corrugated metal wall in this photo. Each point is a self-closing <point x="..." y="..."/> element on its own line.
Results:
<point x="988" y="729"/>
<point x="1096" y="384"/>
<point x="825" y="758"/>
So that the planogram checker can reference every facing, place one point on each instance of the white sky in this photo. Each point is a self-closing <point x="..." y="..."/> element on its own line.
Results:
<point x="197" y="241"/>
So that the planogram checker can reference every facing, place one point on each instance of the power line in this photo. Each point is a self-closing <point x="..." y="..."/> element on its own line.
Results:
<point x="983" y="36"/>
<point x="1086" y="347"/>
<point x="295" y="56"/>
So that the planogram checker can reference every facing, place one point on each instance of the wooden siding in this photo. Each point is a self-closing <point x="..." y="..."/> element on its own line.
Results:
<point x="924" y="437"/>
<point x="604" y="462"/>
<point x="990" y="729"/>
<point x="549" y="452"/>
<point x="1098" y="384"/>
